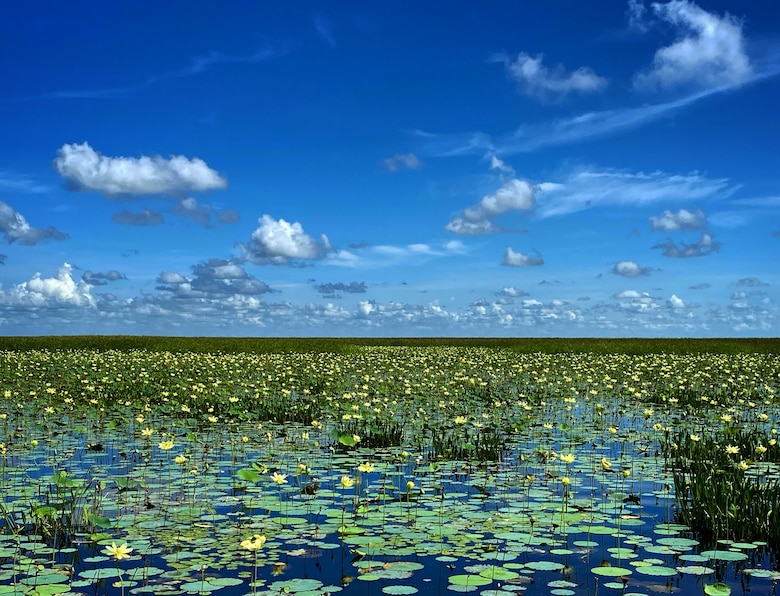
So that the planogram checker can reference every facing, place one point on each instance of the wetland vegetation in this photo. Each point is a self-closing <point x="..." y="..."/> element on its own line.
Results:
<point x="193" y="466"/>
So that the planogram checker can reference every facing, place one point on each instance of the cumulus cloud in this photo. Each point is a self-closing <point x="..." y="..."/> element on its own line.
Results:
<point x="52" y="292"/>
<point x="706" y="245"/>
<point x="519" y="259"/>
<point x="170" y="278"/>
<point x="101" y="279"/>
<point x="536" y="80"/>
<point x="15" y="228"/>
<point x="630" y="269"/>
<point x="212" y="279"/>
<point x="279" y="242"/>
<point x="147" y="217"/>
<point x="203" y="215"/>
<point x="588" y="188"/>
<point x="401" y="161"/>
<point x="675" y="302"/>
<point x="513" y="195"/>
<point x="332" y="290"/>
<point x="681" y="220"/>
<point x="511" y="292"/>
<point x="709" y="51"/>
<point x="86" y="170"/>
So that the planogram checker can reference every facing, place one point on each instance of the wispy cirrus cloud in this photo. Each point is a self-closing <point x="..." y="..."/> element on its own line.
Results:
<point x="197" y="65"/>
<point x="20" y="183"/>
<point x="586" y="188"/>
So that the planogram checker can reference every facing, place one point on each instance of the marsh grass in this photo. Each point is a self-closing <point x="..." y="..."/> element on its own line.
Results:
<point x="727" y="484"/>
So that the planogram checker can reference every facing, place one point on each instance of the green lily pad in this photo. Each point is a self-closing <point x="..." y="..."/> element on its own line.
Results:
<point x="717" y="589"/>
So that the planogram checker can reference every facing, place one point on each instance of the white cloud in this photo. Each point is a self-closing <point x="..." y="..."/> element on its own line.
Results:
<point x="402" y="161"/>
<point x="87" y="170"/>
<point x="536" y="80"/>
<point x="586" y="188"/>
<point x="519" y="259"/>
<point x="278" y="242"/>
<point x="630" y="269"/>
<point x="15" y="228"/>
<point x="709" y="51"/>
<point x="170" y="277"/>
<point x="52" y="292"/>
<point x="682" y="220"/>
<point x="512" y="292"/>
<point x="513" y="195"/>
<point x="675" y="302"/>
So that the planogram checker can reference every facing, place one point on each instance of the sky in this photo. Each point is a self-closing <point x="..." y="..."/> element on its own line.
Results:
<point x="525" y="169"/>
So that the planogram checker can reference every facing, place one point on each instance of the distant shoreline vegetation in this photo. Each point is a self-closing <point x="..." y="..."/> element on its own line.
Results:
<point x="347" y="344"/>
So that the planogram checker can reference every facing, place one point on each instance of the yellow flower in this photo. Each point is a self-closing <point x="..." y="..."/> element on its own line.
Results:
<point x="761" y="449"/>
<point x="34" y="442"/>
<point x="356" y="438"/>
<point x="606" y="464"/>
<point x="566" y="481"/>
<point x="409" y="485"/>
<point x="180" y="459"/>
<point x="732" y="449"/>
<point x="166" y="445"/>
<point x="254" y="543"/>
<point x="118" y="552"/>
<point x="366" y="467"/>
<point x="567" y="458"/>
<point x="347" y="482"/>
<point x="147" y="432"/>
<point x="657" y="426"/>
<point x="695" y="438"/>
<point x="460" y="420"/>
<point x="626" y="473"/>
<point x="743" y="465"/>
<point x="279" y="478"/>
<point x="612" y="430"/>
<point x="245" y="439"/>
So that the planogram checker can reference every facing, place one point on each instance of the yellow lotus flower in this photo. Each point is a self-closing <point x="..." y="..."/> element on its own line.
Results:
<point x="761" y="449"/>
<point x="347" y="482"/>
<point x="695" y="438"/>
<point x="566" y="481"/>
<point x="166" y="445"/>
<point x="409" y="485"/>
<point x="254" y="543"/>
<point x="180" y="459"/>
<point x="460" y="420"/>
<point x="732" y="449"/>
<point x="568" y="458"/>
<point x="279" y="478"/>
<point x="367" y="467"/>
<point x="118" y="552"/>
<point x="147" y="432"/>
<point x="606" y="464"/>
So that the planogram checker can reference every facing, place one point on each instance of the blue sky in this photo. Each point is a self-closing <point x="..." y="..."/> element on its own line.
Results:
<point x="386" y="169"/>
